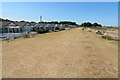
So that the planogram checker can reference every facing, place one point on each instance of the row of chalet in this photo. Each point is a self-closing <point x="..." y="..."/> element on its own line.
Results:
<point x="19" y="27"/>
<point x="16" y="27"/>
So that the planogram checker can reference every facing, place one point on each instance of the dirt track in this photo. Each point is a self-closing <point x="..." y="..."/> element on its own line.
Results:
<point x="66" y="54"/>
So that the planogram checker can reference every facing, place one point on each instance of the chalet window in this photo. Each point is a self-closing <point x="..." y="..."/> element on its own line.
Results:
<point x="47" y="27"/>
<point x="42" y="28"/>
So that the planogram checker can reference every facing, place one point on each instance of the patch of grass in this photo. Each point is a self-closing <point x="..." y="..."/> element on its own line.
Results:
<point x="110" y="38"/>
<point x="7" y="40"/>
<point x="105" y="28"/>
<point x="26" y="36"/>
<point x="51" y="29"/>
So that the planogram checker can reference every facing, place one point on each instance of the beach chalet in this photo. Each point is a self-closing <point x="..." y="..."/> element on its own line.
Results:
<point x="46" y="26"/>
<point x="25" y="26"/>
<point x="56" y="27"/>
<point x="61" y="26"/>
<point x="10" y="27"/>
<point x="52" y="26"/>
<point x="72" y="26"/>
<point x="33" y="25"/>
<point x="0" y="26"/>
<point x="39" y="27"/>
<point x="16" y="27"/>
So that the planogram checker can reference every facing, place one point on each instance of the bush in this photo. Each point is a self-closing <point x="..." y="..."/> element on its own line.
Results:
<point x="107" y="37"/>
<point x="110" y="38"/>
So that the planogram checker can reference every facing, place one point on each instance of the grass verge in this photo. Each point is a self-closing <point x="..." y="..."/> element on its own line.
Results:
<point x="105" y="28"/>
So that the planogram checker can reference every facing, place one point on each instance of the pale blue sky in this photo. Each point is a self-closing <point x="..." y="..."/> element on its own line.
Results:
<point x="60" y="0"/>
<point x="105" y="13"/>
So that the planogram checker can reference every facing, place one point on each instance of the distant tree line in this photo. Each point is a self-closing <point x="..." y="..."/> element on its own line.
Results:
<point x="15" y="21"/>
<point x="52" y="22"/>
<point x="4" y="19"/>
<point x="85" y="24"/>
<point x="88" y="24"/>
<point x="61" y="22"/>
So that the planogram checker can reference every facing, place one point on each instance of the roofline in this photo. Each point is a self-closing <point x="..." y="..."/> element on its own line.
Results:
<point x="9" y="23"/>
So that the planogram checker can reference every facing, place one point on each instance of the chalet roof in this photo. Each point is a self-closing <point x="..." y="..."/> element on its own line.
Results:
<point x="39" y="25"/>
<point x="47" y="25"/>
<point x="21" y="24"/>
<point x="5" y="23"/>
<point x="33" y="24"/>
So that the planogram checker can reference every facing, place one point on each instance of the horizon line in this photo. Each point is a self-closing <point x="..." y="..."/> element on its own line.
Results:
<point x="60" y="21"/>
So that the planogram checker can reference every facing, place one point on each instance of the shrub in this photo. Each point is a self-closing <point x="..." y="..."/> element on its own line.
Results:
<point x="110" y="38"/>
<point x="107" y="37"/>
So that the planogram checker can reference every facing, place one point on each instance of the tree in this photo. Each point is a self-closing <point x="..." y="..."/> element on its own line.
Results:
<point x="96" y="24"/>
<point x="89" y="24"/>
<point x="32" y="22"/>
<point x="99" y="25"/>
<point x="41" y="22"/>
<point x="54" y="22"/>
<point x="86" y="24"/>
<point x="7" y="20"/>
<point x="67" y="22"/>
<point x="1" y="19"/>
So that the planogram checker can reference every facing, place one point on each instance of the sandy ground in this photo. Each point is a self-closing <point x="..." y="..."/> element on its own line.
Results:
<point x="66" y="54"/>
<point x="0" y="59"/>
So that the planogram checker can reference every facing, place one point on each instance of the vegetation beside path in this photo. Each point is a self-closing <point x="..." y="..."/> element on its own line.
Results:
<point x="109" y="33"/>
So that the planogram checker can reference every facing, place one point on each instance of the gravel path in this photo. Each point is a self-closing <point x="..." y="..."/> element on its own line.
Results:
<point x="66" y="54"/>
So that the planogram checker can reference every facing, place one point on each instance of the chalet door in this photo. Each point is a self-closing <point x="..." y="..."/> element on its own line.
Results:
<point x="14" y="30"/>
<point x="17" y="30"/>
<point x="10" y="30"/>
